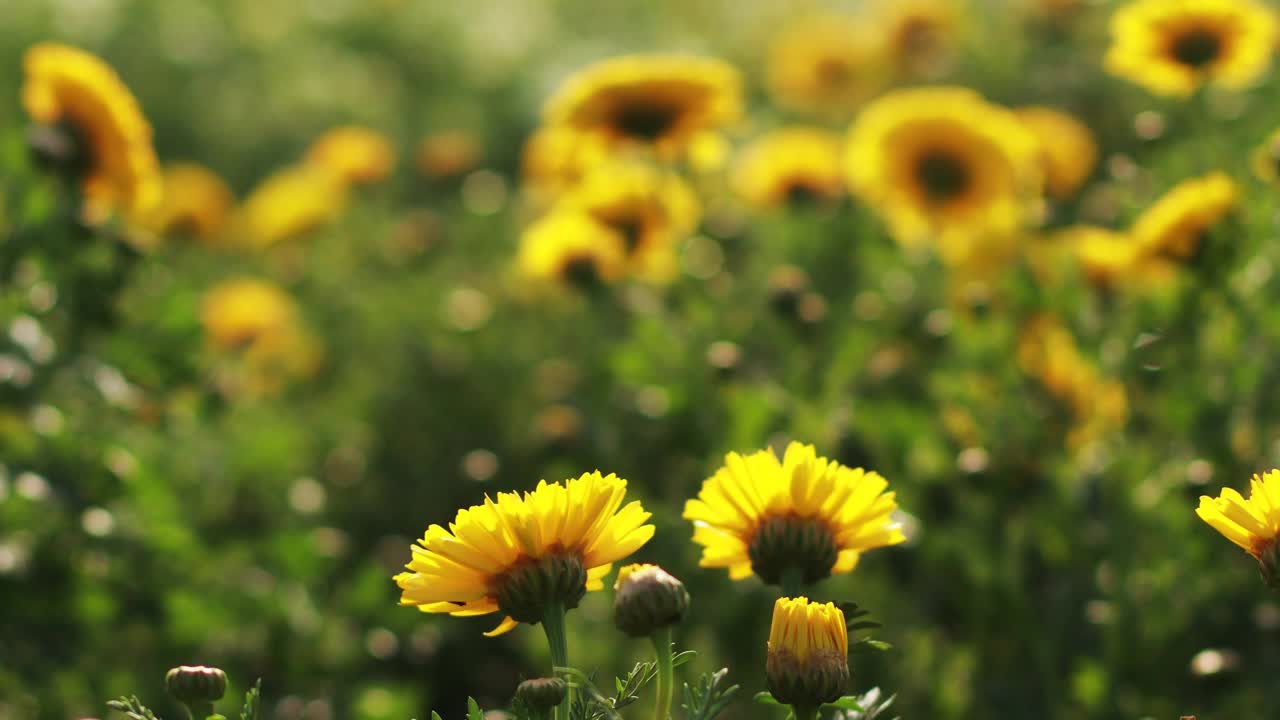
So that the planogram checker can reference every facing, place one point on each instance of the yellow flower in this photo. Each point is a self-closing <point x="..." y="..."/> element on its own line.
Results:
<point x="804" y="515"/>
<point x="523" y="553"/>
<point x="825" y="64"/>
<point x="71" y="88"/>
<point x="572" y="248"/>
<point x="921" y="34"/>
<point x="1047" y="351"/>
<point x="1253" y="524"/>
<point x="448" y="153"/>
<point x="239" y="313"/>
<point x="808" y="659"/>
<point x="1067" y="148"/>
<point x="356" y="155"/>
<point x="1176" y="224"/>
<point x="291" y="203"/>
<point x="1173" y="47"/>
<point x="1105" y="256"/>
<point x="1265" y="159"/>
<point x="651" y="209"/>
<point x="797" y="163"/>
<point x="943" y="166"/>
<point x="195" y="201"/>
<point x="556" y="158"/>
<point x="658" y="101"/>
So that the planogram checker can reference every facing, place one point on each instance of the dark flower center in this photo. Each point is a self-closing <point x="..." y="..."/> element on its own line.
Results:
<point x="61" y="146"/>
<point x="802" y="194"/>
<point x="942" y="175"/>
<point x="581" y="271"/>
<point x="833" y="72"/>
<point x="645" y="122"/>
<point x="631" y="228"/>
<point x="528" y="589"/>
<point x="803" y="544"/>
<point x="1196" y="48"/>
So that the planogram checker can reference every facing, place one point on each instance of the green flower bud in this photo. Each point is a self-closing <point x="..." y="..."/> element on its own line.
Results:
<point x="193" y="684"/>
<point x="784" y="542"/>
<point x="646" y="599"/>
<point x="526" y="591"/>
<point x="542" y="693"/>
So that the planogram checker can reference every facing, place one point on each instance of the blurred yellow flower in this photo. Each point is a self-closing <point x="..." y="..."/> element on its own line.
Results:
<point x="291" y="203"/>
<point x="239" y="313"/>
<point x="797" y="520"/>
<point x="448" y="153"/>
<point x="942" y="166"/>
<point x="1253" y="524"/>
<point x="650" y="209"/>
<point x="1173" y="47"/>
<point x="825" y="64"/>
<point x="276" y="359"/>
<point x="1067" y="148"/>
<point x="1106" y="257"/>
<point x="555" y="158"/>
<point x="78" y="92"/>
<point x="572" y="248"/>
<point x="356" y="155"/>
<point x="1176" y="224"/>
<point x="657" y="101"/>
<point x="525" y="554"/>
<point x="808" y="656"/>
<point x="1048" y="351"/>
<point x="789" y="165"/>
<point x="195" y="201"/>
<point x="920" y="35"/>
<point x="1265" y="159"/>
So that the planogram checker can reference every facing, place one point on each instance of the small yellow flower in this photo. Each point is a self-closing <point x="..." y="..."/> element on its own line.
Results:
<point x="808" y="659"/>
<point x="1265" y="159"/>
<point x="1048" y="351"/>
<point x="942" y="166"/>
<point x="355" y="155"/>
<point x="448" y="153"/>
<point x="1253" y="524"/>
<point x="239" y="313"/>
<point x="792" y="164"/>
<point x="522" y="553"/>
<point x="1173" y="47"/>
<point x="1105" y="256"/>
<point x="824" y="64"/>
<point x="657" y="101"/>
<point x="555" y="159"/>
<point x="72" y="88"/>
<point x="1067" y="148"/>
<point x="195" y="201"/>
<point x="921" y="35"/>
<point x="805" y="515"/>
<point x="572" y="248"/>
<point x="1176" y="224"/>
<point x="291" y="203"/>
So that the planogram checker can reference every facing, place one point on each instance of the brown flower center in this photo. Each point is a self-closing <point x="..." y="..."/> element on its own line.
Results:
<point x="645" y="122"/>
<point x="1196" y="48"/>
<point x="943" y="176"/>
<point x="581" y="271"/>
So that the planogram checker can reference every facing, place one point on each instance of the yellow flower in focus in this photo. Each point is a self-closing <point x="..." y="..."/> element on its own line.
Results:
<point x="238" y="313"/>
<point x="572" y="248"/>
<point x="808" y="658"/>
<point x="356" y="155"/>
<point x="649" y="208"/>
<point x="1067" y="147"/>
<point x="1265" y="159"/>
<point x="800" y="519"/>
<point x="824" y="64"/>
<point x="1253" y="524"/>
<point x="657" y="101"/>
<point x="448" y="154"/>
<point x="291" y="203"/>
<point x="195" y="202"/>
<point x="921" y="35"/>
<point x="942" y="166"/>
<point x="790" y="165"/>
<point x="67" y="87"/>
<point x="1173" y="47"/>
<point x="1176" y="224"/>
<point x="524" y="553"/>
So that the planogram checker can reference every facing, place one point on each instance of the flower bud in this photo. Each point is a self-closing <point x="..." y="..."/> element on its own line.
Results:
<point x="646" y="599"/>
<point x="808" y="660"/>
<point x="191" y="684"/>
<point x="541" y="693"/>
<point x="785" y="542"/>
<point x="526" y="591"/>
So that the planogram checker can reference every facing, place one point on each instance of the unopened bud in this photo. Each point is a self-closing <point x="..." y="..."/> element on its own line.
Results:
<point x="541" y="693"/>
<point x="646" y="599"/>
<point x="193" y="684"/>
<point x="808" y="660"/>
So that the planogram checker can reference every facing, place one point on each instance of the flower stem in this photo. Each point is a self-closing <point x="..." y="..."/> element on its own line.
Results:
<point x="805" y="712"/>
<point x="662" y="646"/>
<point x="553" y="626"/>
<point x="792" y="582"/>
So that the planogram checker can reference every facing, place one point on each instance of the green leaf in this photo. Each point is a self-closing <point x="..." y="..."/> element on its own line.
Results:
<point x="132" y="707"/>
<point x="435" y="715"/>
<point x="766" y="698"/>
<point x="710" y="698"/>
<point x="473" y="710"/>
<point x="682" y="657"/>
<point x="250" y="709"/>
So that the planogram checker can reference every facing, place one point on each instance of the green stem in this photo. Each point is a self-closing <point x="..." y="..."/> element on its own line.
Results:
<point x="553" y="626"/>
<point x="805" y="712"/>
<point x="662" y="646"/>
<point x="792" y="582"/>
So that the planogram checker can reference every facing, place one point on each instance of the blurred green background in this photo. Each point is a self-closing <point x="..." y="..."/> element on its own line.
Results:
<point x="148" y="518"/>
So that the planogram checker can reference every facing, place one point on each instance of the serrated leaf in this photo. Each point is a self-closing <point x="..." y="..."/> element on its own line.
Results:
<point x="132" y="707"/>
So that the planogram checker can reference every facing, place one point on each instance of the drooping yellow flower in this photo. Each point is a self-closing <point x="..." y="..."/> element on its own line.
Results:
<point x="522" y="553"/>
<point x="942" y="166"/>
<point x="448" y="153"/>
<point x="355" y="155"/>
<point x="1253" y="524"/>
<point x="1265" y="159"/>
<point x="805" y="516"/>
<point x="572" y="248"/>
<point x="920" y="35"/>
<point x="808" y="659"/>
<point x="67" y="87"/>
<point x="657" y="101"/>
<point x="238" y="313"/>
<point x="1067" y="148"/>
<point x="195" y="201"/>
<point x="291" y="203"/>
<point x="651" y="209"/>
<point x="1176" y="224"/>
<point x="789" y="165"/>
<point x="1047" y="351"/>
<point x="1173" y="47"/>
<point x="826" y="64"/>
<point x="1106" y="257"/>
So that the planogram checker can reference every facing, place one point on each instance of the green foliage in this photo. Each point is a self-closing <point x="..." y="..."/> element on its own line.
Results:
<point x="708" y="697"/>
<point x="132" y="707"/>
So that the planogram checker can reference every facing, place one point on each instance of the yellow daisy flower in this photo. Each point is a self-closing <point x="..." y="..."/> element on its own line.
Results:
<point x="788" y="165"/>
<point x="70" y="88"/>
<point x="795" y="520"/>
<point x="291" y="203"/>
<point x="1253" y="524"/>
<point x="238" y="313"/>
<point x="651" y="209"/>
<point x="1176" y="224"/>
<point x="808" y="659"/>
<point x="572" y="248"/>
<point x="195" y="201"/>
<point x="525" y="554"/>
<point x="356" y="155"/>
<point x="1265" y="159"/>
<point x="555" y="159"/>
<point x="1173" y="47"/>
<point x="943" y="166"/>
<point x="658" y="101"/>
<point x="1067" y="148"/>
<point x="921" y="35"/>
<point x="825" y="64"/>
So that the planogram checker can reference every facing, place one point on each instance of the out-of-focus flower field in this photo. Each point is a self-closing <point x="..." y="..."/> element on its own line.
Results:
<point x="283" y="283"/>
